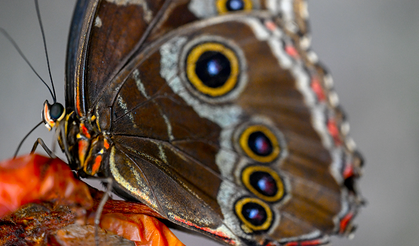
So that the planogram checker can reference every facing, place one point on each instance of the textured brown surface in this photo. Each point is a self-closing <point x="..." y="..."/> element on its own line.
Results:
<point x="33" y="222"/>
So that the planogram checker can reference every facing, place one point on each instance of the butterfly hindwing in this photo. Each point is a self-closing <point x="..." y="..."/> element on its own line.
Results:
<point x="223" y="123"/>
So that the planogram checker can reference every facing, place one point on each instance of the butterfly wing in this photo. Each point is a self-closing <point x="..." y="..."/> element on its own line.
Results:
<point x="127" y="26"/>
<point x="259" y="157"/>
<point x="103" y="31"/>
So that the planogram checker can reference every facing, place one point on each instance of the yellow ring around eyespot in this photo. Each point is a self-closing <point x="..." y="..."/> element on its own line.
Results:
<point x="197" y="83"/>
<point x="239" y="207"/>
<point x="279" y="184"/>
<point x="222" y="9"/>
<point x="244" y="139"/>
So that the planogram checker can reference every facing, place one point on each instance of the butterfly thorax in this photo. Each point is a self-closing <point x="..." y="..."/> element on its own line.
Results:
<point x="90" y="145"/>
<point x="85" y="146"/>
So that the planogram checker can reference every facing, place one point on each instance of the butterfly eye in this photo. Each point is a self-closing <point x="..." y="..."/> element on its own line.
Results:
<point x="212" y="69"/>
<point x="254" y="214"/>
<point x="51" y="114"/>
<point x="225" y="6"/>
<point x="260" y="143"/>
<point x="56" y="111"/>
<point x="263" y="182"/>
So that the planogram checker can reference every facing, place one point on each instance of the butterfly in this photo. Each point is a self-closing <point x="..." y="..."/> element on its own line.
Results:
<point x="214" y="113"/>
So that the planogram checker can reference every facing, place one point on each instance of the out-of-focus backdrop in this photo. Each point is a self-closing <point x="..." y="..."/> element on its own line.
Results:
<point x="370" y="47"/>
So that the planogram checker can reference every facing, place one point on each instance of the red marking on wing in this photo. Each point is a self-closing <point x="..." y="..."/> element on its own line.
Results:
<point x="306" y="243"/>
<point x="317" y="88"/>
<point x="334" y="131"/>
<point x="345" y="222"/>
<point x="78" y="102"/>
<point x="292" y="51"/>
<point x="348" y="172"/>
<point x="223" y="236"/>
<point x="270" y="25"/>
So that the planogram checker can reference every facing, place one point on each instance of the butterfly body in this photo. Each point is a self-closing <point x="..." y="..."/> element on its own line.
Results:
<point x="223" y="123"/>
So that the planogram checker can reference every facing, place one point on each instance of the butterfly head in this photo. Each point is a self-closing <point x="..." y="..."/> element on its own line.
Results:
<point x="52" y="114"/>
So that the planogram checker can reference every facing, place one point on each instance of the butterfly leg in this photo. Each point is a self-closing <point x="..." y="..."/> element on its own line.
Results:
<point x="99" y="210"/>
<point x="44" y="146"/>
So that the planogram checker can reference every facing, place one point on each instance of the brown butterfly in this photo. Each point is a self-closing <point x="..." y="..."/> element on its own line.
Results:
<point x="214" y="113"/>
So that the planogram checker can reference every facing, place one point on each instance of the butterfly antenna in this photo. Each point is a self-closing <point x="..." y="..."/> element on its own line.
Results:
<point x="38" y="13"/>
<point x="12" y="41"/>
<point x="26" y="136"/>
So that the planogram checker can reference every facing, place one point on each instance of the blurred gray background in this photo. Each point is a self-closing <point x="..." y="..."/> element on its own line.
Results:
<point x="370" y="47"/>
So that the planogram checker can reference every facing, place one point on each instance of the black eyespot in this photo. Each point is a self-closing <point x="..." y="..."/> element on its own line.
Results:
<point x="255" y="215"/>
<point x="260" y="143"/>
<point x="213" y="69"/>
<point x="225" y="6"/>
<point x="264" y="183"/>
<point x="56" y="111"/>
<point x="234" y="5"/>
